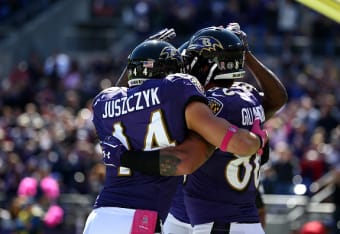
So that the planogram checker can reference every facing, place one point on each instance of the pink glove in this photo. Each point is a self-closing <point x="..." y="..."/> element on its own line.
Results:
<point x="262" y="134"/>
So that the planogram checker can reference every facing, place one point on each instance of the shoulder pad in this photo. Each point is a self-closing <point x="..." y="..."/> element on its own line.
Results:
<point x="246" y="86"/>
<point x="186" y="78"/>
<point x="109" y="93"/>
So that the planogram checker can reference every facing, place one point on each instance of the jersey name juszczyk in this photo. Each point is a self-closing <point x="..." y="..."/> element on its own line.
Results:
<point x="145" y="117"/>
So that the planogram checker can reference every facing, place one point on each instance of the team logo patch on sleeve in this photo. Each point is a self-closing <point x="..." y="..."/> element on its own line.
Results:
<point x="215" y="105"/>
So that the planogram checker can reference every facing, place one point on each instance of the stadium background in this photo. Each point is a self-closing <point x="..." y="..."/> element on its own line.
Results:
<point x="55" y="55"/>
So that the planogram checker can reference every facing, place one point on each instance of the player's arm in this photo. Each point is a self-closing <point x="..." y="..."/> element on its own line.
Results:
<point x="190" y="155"/>
<point x="182" y="159"/>
<point x="221" y="133"/>
<point x="194" y="151"/>
<point x="275" y="94"/>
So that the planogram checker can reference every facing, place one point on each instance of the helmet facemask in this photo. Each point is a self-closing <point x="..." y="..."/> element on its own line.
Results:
<point x="153" y="60"/>
<point x="215" y="54"/>
<point x="219" y="65"/>
<point x="151" y="69"/>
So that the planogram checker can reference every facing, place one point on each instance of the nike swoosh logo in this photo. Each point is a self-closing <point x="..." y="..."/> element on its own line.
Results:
<point x="217" y="95"/>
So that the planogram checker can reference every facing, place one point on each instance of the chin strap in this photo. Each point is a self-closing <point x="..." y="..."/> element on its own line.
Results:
<point x="194" y="61"/>
<point x="228" y="76"/>
<point x="211" y="72"/>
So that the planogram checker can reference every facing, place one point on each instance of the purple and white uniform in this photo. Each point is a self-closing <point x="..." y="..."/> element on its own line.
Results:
<point x="224" y="188"/>
<point x="145" y="117"/>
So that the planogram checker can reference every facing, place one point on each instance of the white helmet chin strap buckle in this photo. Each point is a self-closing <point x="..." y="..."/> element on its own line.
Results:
<point x="228" y="76"/>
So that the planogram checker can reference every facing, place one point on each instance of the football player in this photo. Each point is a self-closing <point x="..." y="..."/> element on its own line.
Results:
<point x="220" y="197"/>
<point x="158" y="110"/>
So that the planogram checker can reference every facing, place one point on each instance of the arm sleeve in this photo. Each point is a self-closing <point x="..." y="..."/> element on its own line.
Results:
<point x="146" y="162"/>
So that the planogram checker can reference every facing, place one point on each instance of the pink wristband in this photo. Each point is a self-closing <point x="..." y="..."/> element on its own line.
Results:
<point x="231" y="131"/>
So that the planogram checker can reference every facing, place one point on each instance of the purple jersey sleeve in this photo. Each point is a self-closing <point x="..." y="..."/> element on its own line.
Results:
<point x="187" y="86"/>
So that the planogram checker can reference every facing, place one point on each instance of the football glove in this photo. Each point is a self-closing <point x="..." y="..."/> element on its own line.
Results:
<point x="262" y="134"/>
<point x="235" y="27"/>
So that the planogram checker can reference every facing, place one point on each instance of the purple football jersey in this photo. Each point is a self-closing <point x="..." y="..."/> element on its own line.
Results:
<point x="145" y="117"/>
<point x="224" y="188"/>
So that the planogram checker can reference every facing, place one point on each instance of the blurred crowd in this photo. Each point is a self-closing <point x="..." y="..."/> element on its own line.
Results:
<point x="262" y="19"/>
<point x="45" y="102"/>
<point x="46" y="131"/>
<point x="16" y="12"/>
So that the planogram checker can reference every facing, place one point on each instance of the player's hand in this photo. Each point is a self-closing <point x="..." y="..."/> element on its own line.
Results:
<point x="262" y="134"/>
<point x="235" y="27"/>
<point x="112" y="150"/>
<point x="163" y="35"/>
